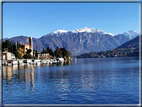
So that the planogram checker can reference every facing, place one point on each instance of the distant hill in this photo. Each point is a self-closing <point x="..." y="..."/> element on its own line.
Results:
<point x="130" y="48"/>
<point x="134" y="43"/>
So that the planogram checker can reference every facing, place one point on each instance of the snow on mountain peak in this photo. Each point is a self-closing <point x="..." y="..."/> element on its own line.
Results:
<point x="85" y="29"/>
<point x="92" y="30"/>
<point x="60" y="31"/>
<point x="131" y="34"/>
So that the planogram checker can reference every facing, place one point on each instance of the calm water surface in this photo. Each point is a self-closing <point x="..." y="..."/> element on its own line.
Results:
<point x="87" y="81"/>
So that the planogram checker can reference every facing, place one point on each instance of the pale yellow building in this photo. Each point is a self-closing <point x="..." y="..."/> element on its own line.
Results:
<point x="30" y="46"/>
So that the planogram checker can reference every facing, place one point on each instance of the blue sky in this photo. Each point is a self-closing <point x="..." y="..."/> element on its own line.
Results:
<point x="38" y="19"/>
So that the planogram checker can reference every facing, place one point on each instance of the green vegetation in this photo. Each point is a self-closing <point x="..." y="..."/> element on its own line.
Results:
<point x="11" y="47"/>
<point x="59" y="52"/>
<point x="122" y="52"/>
<point x="19" y="53"/>
<point x="28" y="55"/>
<point x="128" y="49"/>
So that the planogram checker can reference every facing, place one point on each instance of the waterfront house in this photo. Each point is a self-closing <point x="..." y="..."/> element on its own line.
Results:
<point x="8" y="56"/>
<point x="43" y="55"/>
<point x="34" y="52"/>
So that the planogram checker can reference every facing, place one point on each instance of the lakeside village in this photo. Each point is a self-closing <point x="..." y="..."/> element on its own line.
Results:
<point x="16" y="53"/>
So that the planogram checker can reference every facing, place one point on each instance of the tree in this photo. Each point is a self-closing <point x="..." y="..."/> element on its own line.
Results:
<point x="57" y="52"/>
<point x="70" y="54"/>
<point x="3" y="46"/>
<point x="13" y="50"/>
<point x="48" y="49"/>
<point x="67" y="54"/>
<point x="36" y="54"/>
<point x="63" y="50"/>
<point x="44" y="50"/>
<point x="28" y="54"/>
<point x="17" y="54"/>
<point x="7" y="44"/>
<point x="51" y="52"/>
<point x="18" y="45"/>
<point x="20" y="51"/>
<point x="6" y="49"/>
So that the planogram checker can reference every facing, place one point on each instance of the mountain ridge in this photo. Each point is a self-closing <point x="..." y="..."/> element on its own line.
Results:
<point x="76" y="43"/>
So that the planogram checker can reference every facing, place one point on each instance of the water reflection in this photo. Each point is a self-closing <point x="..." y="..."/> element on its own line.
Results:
<point x="7" y="72"/>
<point x="77" y="83"/>
<point x="62" y="87"/>
<point x="25" y="73"/>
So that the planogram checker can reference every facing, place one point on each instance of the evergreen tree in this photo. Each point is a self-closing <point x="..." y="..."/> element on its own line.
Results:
<point x="36" y="54"/>
<point x="44" y="50"/>
<point x="48" y="49"/>
<point x="18" y="45"/>
<point x="14" y="49"/>
<point x="57" y="52"/>
<point x="17" y="54"/>
<point x="3" y="46"/>
<point x="8" y="45"/>
<point x="51" y="52"/>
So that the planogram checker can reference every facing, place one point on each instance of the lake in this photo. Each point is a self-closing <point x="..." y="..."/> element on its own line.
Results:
<point x="87" y="81"/>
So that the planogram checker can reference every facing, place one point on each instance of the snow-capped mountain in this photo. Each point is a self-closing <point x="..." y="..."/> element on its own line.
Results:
<point x="79" y="41"/>
<point x="85" y="29"/>
<point x="91" y="30"/>
<point x="60" y="31"/>
<point x="131" y="34"/>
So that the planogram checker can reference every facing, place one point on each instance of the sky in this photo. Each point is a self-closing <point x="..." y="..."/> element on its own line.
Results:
<point x="38" y="19"/>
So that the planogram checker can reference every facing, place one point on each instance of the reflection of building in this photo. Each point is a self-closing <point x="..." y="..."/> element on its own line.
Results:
<point x="30" y="46"/>
<point x="7" y="72"/>
<point x="15" y="67"/>
<point x="24" y="73"/>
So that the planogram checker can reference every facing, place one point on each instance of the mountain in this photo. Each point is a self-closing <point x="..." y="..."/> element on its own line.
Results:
<point x="91" y="30"/>
<point x="85" y="29"/>
<point x="130" y="48"/>
<point x="131" y="34"/>
<point x="25" y="40"/>
<point x="77" y="41"/>
<point x="134" y="43"/>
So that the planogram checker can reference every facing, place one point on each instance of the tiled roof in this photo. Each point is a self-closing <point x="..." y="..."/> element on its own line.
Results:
<point x="6" y="52"/>
<point x="23" y="44"/>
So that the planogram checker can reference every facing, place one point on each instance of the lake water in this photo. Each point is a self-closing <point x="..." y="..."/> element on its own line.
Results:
<point x="87" y="81"/>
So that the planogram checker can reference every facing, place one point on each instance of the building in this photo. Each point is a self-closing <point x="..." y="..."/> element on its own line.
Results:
<point x="24" y="47"/>
<point x="43" y="55"/>
<point x="8" y="56"/>
<point x="30" y="46"/>
<point x="34" y="52"/>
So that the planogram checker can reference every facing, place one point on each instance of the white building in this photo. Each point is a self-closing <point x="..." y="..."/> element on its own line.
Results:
<point x="43" y="55"/>
<point x="8" y="56"/>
